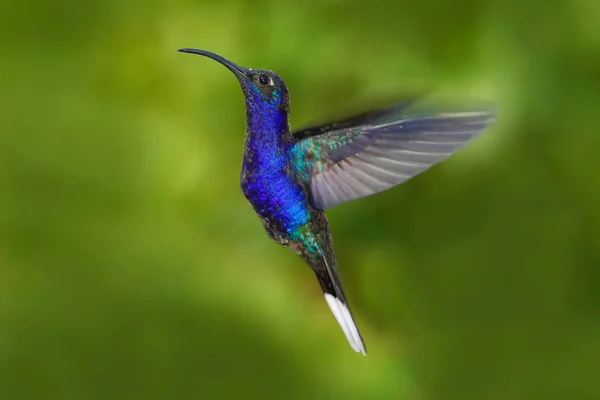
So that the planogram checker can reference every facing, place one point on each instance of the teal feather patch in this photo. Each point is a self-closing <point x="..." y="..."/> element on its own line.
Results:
<point x="313" y="153"/>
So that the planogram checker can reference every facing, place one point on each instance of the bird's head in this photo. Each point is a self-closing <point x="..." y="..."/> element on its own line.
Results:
<point x="262" y="88"/>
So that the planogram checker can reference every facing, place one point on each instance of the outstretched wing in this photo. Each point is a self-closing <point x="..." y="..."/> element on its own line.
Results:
<point x="358" y="161"/>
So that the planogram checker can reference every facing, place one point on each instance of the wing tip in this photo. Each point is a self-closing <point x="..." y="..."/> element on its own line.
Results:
<point x="344" y="318"/>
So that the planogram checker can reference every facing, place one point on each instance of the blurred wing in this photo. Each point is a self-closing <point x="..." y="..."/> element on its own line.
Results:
<point x="350" y="163"/>
<point x="372" y="117"/>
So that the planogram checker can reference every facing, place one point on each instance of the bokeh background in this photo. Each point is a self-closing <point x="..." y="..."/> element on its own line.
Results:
<point x="131" y="266"/>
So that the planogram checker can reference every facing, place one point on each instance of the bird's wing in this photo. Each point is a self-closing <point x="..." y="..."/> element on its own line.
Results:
<point x="376" y="116"/>
<point x="358" y="161"/>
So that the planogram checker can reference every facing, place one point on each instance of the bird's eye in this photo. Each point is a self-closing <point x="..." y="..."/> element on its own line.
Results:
<point x="264" y="80"/>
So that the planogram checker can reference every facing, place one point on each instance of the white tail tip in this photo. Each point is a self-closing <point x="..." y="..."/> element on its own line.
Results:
<point x="342" y="314"/>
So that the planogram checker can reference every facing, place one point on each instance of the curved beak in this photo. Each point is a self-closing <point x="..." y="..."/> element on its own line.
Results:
<point x="236" y="69"/>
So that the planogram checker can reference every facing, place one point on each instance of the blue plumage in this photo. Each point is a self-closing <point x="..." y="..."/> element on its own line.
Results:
<point x="267" y="179"/>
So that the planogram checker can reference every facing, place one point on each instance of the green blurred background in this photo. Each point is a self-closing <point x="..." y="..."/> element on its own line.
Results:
<point x="131" y="266"/>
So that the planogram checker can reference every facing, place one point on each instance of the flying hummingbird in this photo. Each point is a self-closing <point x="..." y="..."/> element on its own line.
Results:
<point x="291" y="177"/>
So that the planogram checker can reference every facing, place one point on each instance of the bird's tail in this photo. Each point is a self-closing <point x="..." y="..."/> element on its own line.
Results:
<point x="330" y="283"/>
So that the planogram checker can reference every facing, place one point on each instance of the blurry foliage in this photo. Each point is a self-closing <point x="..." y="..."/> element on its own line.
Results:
<point x="131" y="267"/>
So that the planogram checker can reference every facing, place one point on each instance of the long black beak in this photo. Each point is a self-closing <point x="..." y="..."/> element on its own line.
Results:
<point x="236" y="69"/>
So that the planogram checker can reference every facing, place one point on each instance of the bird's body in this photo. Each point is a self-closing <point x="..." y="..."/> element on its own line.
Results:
<point x="272" y="182"/>
<point x="290" y="177"/>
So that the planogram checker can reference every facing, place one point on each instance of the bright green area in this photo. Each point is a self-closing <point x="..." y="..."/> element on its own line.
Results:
<point x="131" y="267"/>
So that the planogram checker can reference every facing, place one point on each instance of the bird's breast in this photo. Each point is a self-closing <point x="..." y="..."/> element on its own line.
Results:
<point x="274" y="192"/>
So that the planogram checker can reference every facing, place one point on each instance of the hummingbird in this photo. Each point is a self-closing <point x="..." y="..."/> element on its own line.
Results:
<point x="290" y="177"/>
